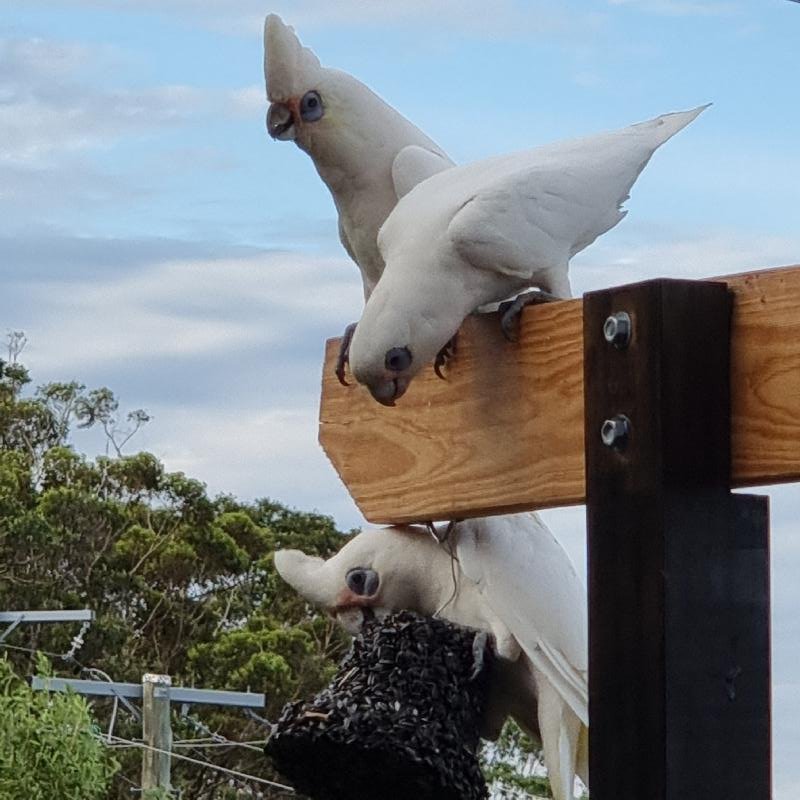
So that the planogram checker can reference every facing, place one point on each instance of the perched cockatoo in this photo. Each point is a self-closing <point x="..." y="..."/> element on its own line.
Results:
<point x="485" y="231"/>
<point x="368" y="154"/>
<point x="506" y="575"/>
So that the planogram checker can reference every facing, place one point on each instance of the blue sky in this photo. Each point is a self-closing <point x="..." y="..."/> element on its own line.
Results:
<point x="153" y="238"/>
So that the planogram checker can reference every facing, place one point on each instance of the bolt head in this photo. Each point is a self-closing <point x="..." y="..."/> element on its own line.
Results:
<point x="614" y="432"/>
<point x="617" y="329"/>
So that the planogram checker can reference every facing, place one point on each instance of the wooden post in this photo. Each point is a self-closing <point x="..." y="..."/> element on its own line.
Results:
<point x="678" y="567"/>
<point x="156" y="731"/>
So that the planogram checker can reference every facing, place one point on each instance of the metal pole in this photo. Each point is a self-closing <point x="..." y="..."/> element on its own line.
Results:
<point x="177" y="694"/>
<point x="156" y="731"/>
<point x="679" y="679"/>
<point x="65" y="615"/>
<point x="17" y="618"/>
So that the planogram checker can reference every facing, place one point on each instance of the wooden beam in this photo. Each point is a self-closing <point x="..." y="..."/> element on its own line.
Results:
<point x="504" y="432"/>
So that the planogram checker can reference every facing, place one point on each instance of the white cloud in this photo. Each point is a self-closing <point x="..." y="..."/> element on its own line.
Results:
<point x="51" y="107"/>
<point x="224" y="352"/>
<point x="253" y="452"/>
<point x="185" y="308"/>
<point x="635" y="252"/>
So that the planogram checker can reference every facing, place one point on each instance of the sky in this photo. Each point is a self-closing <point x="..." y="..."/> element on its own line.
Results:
<point x="154" y="240"/>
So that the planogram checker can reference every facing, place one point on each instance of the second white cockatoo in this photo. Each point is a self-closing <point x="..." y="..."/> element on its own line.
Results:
<point x="368" y="154"/>
<point x="486" y="231"/>
<point x="506" y="575"/>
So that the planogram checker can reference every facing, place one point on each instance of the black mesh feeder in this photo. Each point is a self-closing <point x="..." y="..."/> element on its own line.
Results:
<point x="399" y="720"/>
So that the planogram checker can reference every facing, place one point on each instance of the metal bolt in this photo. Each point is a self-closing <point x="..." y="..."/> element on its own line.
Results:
<point x="617" y="329"/>
<point x="614" y="432"/>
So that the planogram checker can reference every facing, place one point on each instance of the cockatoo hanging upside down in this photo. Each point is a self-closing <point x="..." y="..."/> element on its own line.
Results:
<point x="506" y="575"/>
<point x="368" y="154"/>
<point x="484" y="232"/>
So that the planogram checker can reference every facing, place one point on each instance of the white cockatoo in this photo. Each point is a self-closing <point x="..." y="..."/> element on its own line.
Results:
<point x="368" y="154"/>
<point x="506" y="575"/>
<point x="486" y="231"/>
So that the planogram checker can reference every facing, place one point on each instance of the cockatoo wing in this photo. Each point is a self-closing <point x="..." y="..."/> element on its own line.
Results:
<point x="529" y="582"/>
<point x="532" y="211"/>
<point x="414" y="164"/>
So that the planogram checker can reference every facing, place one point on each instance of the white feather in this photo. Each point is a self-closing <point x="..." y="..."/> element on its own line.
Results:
<point x="529" y="582"/>
<point x="531" y="212"/>
<point x="481" y="232"/>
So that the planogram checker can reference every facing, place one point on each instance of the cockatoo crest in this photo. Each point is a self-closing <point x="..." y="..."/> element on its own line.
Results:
<point x="289" y="68"/>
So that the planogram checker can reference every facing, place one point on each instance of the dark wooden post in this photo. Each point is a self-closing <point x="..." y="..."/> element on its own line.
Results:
<point x="679" y="684"/>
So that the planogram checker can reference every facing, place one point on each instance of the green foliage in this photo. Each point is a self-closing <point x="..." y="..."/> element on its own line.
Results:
<point x="181" y="583"/>
<point x="48" y="747"/>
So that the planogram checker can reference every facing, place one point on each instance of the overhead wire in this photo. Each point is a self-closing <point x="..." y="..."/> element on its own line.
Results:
<point x="226" y="743"/>
<point x="118" y="740"/>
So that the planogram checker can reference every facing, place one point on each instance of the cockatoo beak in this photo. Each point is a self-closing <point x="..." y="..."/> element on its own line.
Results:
<point x="308" y="576"/>
<point x="319" y="582"/>
<point x="389" y="389"/>
<point x="282" y="119"/>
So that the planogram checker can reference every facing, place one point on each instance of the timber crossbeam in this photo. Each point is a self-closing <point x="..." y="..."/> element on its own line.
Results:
<point x="505" y="431"/>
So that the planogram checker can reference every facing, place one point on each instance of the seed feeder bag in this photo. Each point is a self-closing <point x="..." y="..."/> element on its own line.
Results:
<point x="399" y="720"/>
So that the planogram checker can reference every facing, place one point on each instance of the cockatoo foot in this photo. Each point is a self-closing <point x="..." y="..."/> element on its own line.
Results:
<point x="511" y="309"/>
<point x="343" y="359"/>
<point x="479" y="644"/>
<point x="442" y="357"/>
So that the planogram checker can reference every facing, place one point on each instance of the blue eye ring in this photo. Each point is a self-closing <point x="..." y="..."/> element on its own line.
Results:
<point x="311" y="108"/>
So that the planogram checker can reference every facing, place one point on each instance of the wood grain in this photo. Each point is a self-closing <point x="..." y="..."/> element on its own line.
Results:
<point x="504" y="432"/>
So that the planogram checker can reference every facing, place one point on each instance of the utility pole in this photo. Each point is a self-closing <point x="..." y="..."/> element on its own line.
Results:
<point x="156" y="693"/>
<point x="156" y="732"/>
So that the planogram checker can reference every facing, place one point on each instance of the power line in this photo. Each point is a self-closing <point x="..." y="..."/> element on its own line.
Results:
<point x="226" y="743"/>
<point x="118" y="740"/>
<point x="213" y="735"/>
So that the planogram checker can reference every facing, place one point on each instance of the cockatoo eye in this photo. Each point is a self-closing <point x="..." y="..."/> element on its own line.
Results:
<point x="311" y="107"/>
<point x="363" y="582"/>
<point x="398" y="359"/>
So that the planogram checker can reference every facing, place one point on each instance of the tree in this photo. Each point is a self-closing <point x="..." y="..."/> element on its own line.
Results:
<point x="181" y="583"/>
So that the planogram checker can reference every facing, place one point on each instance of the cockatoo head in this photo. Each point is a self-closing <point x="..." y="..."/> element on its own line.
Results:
<point x="293" y="74"/>
<point x="380" y="571"/>
<point x="410" y="316"/>
<point x="319" y="108"/>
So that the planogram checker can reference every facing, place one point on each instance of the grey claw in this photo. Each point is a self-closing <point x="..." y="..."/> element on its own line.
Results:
<point x="442" y="356"/>
<point x="510" y="309"/>
<point x="344" y="353"/>
<point x="479" y="644"/>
